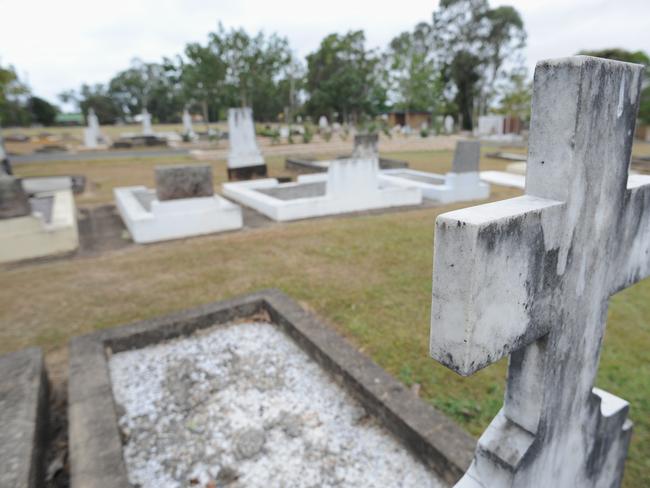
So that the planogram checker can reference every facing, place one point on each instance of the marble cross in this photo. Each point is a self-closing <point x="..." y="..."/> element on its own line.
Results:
<point x="530" y="278"/>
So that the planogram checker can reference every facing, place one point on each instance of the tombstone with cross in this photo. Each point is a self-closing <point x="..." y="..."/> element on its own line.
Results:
<point x="530" y="278"/>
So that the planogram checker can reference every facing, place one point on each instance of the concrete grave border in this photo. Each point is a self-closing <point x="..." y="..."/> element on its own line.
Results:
<point x="23" y="379"/>
<point x="94" y="439"/>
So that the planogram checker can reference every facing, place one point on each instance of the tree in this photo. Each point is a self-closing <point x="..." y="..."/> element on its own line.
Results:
<point x="638" y="57"/>
<point x="344" y="77"/>
<point x="474" y="44"/>
<point x="42" y="111"/>
<point x="13" y="98"/>
<point x="516" y="97"/>
<point x="99" y="99"/>
<point x="413" y="80"/>
<point x="254" y="68"/>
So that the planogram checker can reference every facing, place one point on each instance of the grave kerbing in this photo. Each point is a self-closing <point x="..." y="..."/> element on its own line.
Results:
<point x="13" y="199"/>
<point x="552" y="259"/>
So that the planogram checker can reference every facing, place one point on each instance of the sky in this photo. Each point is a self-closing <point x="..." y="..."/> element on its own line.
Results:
<point x="58" y="45"/>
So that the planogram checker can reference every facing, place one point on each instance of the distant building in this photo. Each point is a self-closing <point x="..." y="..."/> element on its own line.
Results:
<point x="414" y="119"/>
<point x="69" y="119"/>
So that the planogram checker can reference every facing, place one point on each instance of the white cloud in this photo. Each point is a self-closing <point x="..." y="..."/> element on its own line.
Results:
<point x="58" y="45"/>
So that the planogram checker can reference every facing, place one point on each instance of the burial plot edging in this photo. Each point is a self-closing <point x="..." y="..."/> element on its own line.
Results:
<point x="23" y="418"/>
<point x="95" y="443"/>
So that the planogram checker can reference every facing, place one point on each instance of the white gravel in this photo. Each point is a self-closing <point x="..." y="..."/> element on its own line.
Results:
<point x="243" y="406"/>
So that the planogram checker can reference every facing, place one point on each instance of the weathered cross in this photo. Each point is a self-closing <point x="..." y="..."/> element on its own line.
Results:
<point x="531" y="277"/>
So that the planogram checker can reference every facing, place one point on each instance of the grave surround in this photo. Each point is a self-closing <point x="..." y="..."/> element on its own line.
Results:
<point x="95" y="445"/>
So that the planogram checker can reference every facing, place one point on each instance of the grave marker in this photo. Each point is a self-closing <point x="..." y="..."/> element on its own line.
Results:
<point x="184" y="181"/>
<point x="366" y="146"/>
<point x="530" y="277"/>
<point x="466" y="157"/>
<point x="13" y="199"/>
<point x="147" y="130"/>
<point x="91" y="133"/>
<point x="245" y="159"/>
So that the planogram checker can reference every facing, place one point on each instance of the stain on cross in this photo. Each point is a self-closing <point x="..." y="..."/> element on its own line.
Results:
<point x="531" y="277"/>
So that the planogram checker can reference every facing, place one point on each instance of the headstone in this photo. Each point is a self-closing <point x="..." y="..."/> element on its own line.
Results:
<point x="187" y="123"/>
<point x="184" y="181"/>
<point x="490" y="125"/>
<point x="365" y="146"/>
<point x="323" y="124"/>
<point x="466" y="157"/>
<point x="531" y="277"/>
<point x="5" y="165"/>
<point x="13" y="199"/>
<point x="91" y="133"/>
<point x="147" y="130"/>
<point x="243" y="146"/>
<point x="449" y="124"/>
<point x="352" y="178"/>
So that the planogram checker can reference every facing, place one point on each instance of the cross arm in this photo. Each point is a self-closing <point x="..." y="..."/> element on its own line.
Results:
<point x="491" y="265"/>
<point x="632" y="258"/>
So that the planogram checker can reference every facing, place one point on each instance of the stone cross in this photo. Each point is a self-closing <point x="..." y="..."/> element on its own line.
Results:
<point x="530" y="278"/>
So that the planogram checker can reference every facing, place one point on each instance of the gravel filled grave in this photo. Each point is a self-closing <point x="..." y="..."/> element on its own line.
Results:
<point x="243" y="405"/>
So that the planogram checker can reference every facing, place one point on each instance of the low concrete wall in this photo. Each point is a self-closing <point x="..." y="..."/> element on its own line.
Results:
<point x="95" y="443"/>
<point x="23" y="418"/>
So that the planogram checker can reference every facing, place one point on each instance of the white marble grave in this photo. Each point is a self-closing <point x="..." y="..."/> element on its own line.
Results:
<point x="183" y="205"/>
<point x="490" y="125"/>
<point x="530" y="278"/>
<point x="350" y="185"/>
<point x="461" y="184"/>
<point x="147" y="128"/>
<point x="37" y="225"/>
<point x="449" y="124"/>
<point x="92" y="134"/>
<point x="241" y="135"/>
<point x="188" y="130"/>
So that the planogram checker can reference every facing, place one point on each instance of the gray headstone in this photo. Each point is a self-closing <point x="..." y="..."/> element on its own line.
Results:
<point x="184" y="181"/>
<point x="366" y="146"/>
<point x="466" y="157"/>
<point x="531" y="278"/>
<point x="13" y="199"/>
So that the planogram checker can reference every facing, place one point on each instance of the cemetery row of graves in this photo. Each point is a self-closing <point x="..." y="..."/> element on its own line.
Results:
<point x="315" y="369"/>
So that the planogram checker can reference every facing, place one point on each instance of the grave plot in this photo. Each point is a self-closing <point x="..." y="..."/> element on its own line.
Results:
<point x="252" y="392"/>
<point x="531" y="278"/>
<point x="42" y="223"/>
<point x="462" y="183"/>
<point x="350" y="185"/>
<point x="183" y="205"/>
<point x="365" y="145"/>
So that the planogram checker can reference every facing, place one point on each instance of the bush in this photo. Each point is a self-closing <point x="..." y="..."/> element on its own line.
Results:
<point x="308" y="135"/>
<point x="424" y="132"/>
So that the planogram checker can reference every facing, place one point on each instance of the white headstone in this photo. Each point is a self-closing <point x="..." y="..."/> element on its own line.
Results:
<point x="243" y="146"/>
<point x="353" y="178"/>
<point x="147" y="130"/>
<point x="531" y="277"/>
<point x="449" y="124"/>
<point x="91" y="133"/>
<point x="187" y="123"/>
<point x="323" y="123"/>
<point x="490" y="125"/>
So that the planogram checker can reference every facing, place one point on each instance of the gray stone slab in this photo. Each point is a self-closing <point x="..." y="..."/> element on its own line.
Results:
<point x="13" y="199"/>
<point x="23" y="418"/>
<point x="466" y="156"/>
<point x="366" y="146"/>
<point x="184" y="181"/>
<point x="95" y="444"/>
<point x="44" y="206"/>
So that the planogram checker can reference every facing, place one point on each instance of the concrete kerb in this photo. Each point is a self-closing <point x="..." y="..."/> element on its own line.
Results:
<point x="95" y="443"/>
<point x="23" y="418"/>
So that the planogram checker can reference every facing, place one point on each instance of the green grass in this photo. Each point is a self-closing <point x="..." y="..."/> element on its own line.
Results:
<point x="368" y="276"/>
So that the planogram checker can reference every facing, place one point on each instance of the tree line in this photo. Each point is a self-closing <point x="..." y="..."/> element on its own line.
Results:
<point x="467" y="60"/>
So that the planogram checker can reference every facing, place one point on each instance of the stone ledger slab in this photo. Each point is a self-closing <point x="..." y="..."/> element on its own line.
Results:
<point x="96" y="450"/>
<point x="13" y="199"/>
<point x="184" y="181"/>
<point x="23" y="418"/>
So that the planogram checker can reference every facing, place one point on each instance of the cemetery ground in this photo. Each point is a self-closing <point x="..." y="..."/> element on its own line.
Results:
<point x="368" y="276"/>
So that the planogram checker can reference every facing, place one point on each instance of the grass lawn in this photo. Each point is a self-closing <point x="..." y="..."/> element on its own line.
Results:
<point x="368" y="276"/>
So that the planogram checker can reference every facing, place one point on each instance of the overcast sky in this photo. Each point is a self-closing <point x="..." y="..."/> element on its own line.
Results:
<point x="57" y="45"/>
